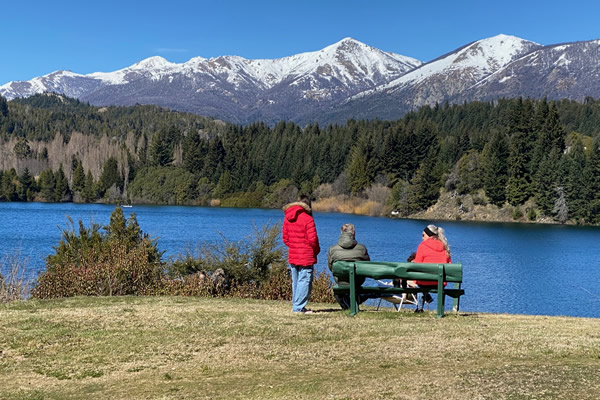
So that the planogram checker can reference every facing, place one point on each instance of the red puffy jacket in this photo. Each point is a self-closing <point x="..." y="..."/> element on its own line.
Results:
<point x="300" y="234"/>
<point x="431" y="251"/>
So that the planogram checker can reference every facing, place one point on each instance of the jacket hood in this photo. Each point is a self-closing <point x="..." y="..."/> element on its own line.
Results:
<point x="434" y="244"/>
<point x="294" y="209"/>
<point x="347" y="241"/>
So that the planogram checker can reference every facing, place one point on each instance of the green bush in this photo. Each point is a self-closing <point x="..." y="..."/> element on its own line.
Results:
<point x="517" y="213"/>
<point x="122" y="260"/>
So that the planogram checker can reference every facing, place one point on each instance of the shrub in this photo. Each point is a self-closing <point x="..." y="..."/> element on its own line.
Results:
<point x="120" y="261"/>
<point x="531" y="214"/>
<point x="254" y="268"/>
<point x="517" y="213"/>
<point x="245" y="261"/>
<point x="322" y="291"/>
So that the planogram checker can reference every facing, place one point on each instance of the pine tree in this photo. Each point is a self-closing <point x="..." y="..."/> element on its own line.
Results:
<point x="546" y="181"/>
<point x="495" y="169"/>
<point x="61" y="190"/>
<point x="161" y="150"/>
<point x="47" y="184"/>
<point x="8" y="187"/>
<point x="357" y="170"/>
<point x="425" y="186"/>
<point x="78" y="177"/>
<point x="89" y="192"/>
<point x="192" y="153"/>
<point x="110" y="176"/>
<point x="224" y="185"/>
<point x="27" y="188"/>
<point x="518" y="187"/>
<point x="3" y="107"/>
<point x="574" y="184"/>
<point x="591" y="183"/>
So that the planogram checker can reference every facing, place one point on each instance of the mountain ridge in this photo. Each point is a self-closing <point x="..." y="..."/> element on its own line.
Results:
<point x="348" y="79"/>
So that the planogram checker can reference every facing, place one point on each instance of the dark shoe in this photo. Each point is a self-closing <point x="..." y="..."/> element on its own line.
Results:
<point x="418" y="310"/>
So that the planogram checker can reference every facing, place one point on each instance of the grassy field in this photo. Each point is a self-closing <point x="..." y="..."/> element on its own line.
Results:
<point x="200" y="348"/>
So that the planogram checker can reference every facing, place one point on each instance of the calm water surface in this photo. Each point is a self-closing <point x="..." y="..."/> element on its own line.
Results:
<point x="508" y="268"/>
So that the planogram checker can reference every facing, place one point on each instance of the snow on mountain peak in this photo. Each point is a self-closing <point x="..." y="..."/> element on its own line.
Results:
<point x="501" y="49"/>
<point x="155" y="62"/>
<point x="153" y="67"/>
<point x="476" y="59"/>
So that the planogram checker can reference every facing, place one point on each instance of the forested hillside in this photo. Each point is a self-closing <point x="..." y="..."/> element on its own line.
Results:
<point x="537" y="158"/>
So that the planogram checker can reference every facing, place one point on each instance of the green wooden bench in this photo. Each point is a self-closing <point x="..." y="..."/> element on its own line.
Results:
<point x="350" y="271"/>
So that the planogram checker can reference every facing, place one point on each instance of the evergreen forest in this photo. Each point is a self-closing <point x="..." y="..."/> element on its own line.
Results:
<point x="535" y="157"/>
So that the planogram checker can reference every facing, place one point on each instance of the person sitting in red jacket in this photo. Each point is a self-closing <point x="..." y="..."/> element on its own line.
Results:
<point x="433" y="248"/>
<point x="300" y="236"/>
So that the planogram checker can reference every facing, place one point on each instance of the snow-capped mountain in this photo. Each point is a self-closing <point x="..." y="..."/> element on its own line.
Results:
<point x="348" y="79"/>
<point x="501" y="66"/>
<point x="570" y="71"/>
<point x="231" y="87"/>
<point x="451" y="74"/>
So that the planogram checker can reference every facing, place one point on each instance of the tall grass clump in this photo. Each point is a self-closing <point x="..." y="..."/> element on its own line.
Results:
<point x="247" y="260"/>
<point x="118" y="259"/>
<point x="250" y="268"/>
<point x="254" y="267"/>
<point x="14" y="283"/>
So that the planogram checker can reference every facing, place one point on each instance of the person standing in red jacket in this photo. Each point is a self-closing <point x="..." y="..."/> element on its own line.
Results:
<point x="434" y="248"/>
<point x="300" y="236"/>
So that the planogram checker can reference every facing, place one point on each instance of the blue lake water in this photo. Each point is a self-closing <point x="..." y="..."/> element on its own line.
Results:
<point x="508" y="268"/>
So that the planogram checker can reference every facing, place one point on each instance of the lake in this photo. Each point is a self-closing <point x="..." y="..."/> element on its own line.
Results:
<point x="508" y="268"/>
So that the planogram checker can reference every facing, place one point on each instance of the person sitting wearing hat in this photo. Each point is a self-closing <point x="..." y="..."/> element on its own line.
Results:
<point x="346" y="249"/>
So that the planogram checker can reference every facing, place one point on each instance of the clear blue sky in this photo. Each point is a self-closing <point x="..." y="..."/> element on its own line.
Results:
<point x="43" y="36"/>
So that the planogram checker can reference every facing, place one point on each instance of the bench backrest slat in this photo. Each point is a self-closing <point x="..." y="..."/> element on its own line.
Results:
<point x="402" y="270"/>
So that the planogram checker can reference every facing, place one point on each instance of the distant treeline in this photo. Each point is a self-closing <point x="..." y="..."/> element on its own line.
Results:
<point x="510" y="153"/>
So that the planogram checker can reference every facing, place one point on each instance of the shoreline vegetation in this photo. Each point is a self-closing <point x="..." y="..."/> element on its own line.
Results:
<point x="522" y="160"/>
<point x="120" y="259"/>
<point x="226" y="348"/>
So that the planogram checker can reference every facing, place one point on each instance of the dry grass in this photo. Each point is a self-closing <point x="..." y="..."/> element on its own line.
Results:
<point x="350" y="205"/>
<point x="14" y="283"/>
<point x="201" y="348"/>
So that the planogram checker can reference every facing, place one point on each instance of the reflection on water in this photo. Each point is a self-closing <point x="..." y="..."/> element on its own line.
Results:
<point x="508" y="268"/>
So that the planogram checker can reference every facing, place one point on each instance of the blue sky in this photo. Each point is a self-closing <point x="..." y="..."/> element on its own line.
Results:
<point x="40" y="37"/>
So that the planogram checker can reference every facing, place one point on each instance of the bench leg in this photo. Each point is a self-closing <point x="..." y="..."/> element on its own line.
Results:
<point x="456" y="302"/>
<point x="353" y="292"/>
<point x="441" y="296"/>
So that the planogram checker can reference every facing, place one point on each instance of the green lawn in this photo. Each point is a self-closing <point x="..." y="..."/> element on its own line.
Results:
<point x="201" y="348"/>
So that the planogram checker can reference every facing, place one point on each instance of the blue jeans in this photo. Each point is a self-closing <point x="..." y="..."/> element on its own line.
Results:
<point x="302" y="278"/>
<point x="422" y="299"/>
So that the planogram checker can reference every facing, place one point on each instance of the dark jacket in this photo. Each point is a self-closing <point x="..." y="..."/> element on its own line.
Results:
<point x="300" y="234"/>
<point x="347" y="249"/>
